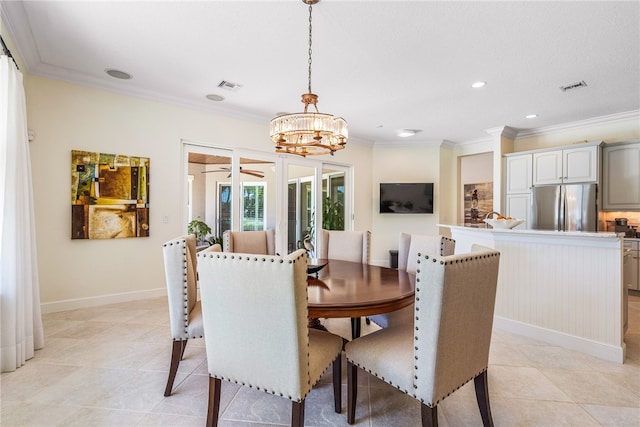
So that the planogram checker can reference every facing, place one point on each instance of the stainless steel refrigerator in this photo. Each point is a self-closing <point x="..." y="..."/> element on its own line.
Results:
<point x="570" y="207"/>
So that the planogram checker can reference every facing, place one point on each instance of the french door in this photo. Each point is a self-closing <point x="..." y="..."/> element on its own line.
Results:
<point x="236" y="189"/>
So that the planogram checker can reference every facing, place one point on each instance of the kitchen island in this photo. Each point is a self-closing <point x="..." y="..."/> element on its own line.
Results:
<point x="564" y="288"/>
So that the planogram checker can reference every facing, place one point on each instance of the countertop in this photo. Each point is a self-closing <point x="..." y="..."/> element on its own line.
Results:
<point x="551" y="233"/>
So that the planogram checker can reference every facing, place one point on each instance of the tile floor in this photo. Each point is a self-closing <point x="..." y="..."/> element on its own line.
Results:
<point x="107" y="366"/>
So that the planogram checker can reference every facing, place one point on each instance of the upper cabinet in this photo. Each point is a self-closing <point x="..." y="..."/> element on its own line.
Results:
<point x="568" y="165"/>
<point x="518" y="173"/>
<point x="621" y="176"/>
<point x="561" y="165"/>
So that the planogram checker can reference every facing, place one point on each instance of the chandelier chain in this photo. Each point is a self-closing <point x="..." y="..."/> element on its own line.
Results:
<point x="310" y="43"/>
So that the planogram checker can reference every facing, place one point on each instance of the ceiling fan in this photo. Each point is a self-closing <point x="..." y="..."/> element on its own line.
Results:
<point x="255" y="173"/>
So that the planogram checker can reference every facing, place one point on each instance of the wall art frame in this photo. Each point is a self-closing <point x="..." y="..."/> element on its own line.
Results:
<point x="478" y="201"/>
<point x="109" y="195"/>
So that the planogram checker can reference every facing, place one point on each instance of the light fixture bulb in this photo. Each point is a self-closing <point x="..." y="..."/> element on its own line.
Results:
<point x="405" y="133"/>
<point x="478" y="84"/>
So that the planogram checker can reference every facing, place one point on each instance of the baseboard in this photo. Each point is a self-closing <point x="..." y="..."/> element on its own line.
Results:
<point x="73" y="304"/>
<point x="560" y="339"/>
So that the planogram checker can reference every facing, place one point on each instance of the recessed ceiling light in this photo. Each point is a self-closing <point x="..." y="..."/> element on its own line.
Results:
<point x="214" y="97"/>
<point x="477" y="85"/>
<point x="530" y="116"/>
<point x="405" y="133"/>
<point x="118" y="74"/>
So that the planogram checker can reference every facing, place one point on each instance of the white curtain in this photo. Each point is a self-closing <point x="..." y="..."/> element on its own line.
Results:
<point x="21" y="330"/>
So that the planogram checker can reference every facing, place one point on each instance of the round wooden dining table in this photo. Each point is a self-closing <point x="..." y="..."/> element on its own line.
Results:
<point x="350" y="289"/>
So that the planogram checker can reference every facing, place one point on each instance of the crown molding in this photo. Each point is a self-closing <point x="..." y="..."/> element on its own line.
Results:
<point x="550" y="130"/>
<point x="507" y="131"/>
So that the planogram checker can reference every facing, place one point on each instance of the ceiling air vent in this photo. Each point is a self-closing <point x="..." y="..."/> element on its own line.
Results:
<point x="571" y="86"/>
<point x="227" y="85"/>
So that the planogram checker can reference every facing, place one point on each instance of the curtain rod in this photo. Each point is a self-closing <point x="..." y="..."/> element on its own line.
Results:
<point x="7" y="52"/>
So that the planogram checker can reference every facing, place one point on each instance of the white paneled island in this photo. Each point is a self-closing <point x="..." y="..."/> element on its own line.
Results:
<point x="564" y="288"/>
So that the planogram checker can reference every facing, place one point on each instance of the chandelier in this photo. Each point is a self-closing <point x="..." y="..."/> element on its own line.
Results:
<point x="309" y="133"/>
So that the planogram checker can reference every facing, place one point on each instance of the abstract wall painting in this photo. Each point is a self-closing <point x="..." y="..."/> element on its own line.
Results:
<point x="109" y="196"/>
<point x="478" y="201"/>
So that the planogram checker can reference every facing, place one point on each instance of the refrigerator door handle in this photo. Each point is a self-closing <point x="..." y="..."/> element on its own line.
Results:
<point x="562" y="209"/>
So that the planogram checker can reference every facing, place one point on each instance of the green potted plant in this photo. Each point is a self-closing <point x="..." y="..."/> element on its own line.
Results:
<point x="332" y="214"/>
<point x="200" y="229"/>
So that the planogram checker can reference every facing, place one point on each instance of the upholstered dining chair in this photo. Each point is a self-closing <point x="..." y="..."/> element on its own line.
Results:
<point x="353" y="246"/>
<point x="345" y="245"/>
<point x="409" y="246"/>
<point x="283" y="357"/>
<point x="185" y="315"/>
<point x="448" y="343"/>
<point x="250" y="242"/>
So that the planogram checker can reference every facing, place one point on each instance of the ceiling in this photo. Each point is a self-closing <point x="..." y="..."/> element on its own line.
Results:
<point x="382" y="65"/>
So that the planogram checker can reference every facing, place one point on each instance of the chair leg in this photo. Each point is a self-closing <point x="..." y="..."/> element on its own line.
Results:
<point x="337" y="384"/>
<point x="215" y="384"/>
<point x="482" y="396"/>
<point x="297" y="414"/>
<point x="184" y="346"/>
<point x="352" y="391"/>
<point x="429" y="415"/>
<point x="176" y="355"/>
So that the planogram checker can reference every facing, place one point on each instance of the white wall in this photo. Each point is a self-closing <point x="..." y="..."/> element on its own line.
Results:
<point x="65" y="117"/>
<point x="402" y="163"/>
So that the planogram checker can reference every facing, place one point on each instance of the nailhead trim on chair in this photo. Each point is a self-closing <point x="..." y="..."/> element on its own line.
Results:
<point x="434" y="404"/>
<point x="431" y="405"/>
<point x="183" y="242"/>
<point x="249" y="258"/>
<point x="274" y="392"/>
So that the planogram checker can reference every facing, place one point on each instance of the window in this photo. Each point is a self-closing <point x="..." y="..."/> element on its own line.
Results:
<point x="253" y="206"/>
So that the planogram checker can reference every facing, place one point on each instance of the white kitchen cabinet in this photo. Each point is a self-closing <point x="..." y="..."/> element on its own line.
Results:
<point x="519" y="173"/>
<point x="621" y="176"/>
<point x="565" y="166"/>
<point x="518" y="187"/>
<point x="519" y="206"/>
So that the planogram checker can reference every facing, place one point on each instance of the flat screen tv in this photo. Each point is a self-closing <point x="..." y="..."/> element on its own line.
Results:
<point x="406" y="198"/>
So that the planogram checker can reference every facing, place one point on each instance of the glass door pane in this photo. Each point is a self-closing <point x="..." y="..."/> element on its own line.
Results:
<point x="301" y="213"/>
<point x="224" y="208"/>
<point x="210" y="184"/>
<point x="333" y="199"/>
<point x="258" y="203"/>
<point x="253" y="206"/>
<point x="292" y="216"/>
